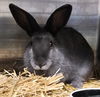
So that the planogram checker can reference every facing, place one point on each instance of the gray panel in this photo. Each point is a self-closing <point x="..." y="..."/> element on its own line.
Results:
<point x="83" y="8"/>
<point x="79" y="8"/>
<point x="12" y="48"/>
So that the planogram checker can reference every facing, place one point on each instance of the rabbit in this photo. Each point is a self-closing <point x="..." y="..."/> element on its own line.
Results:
<point x="54" y="48"/>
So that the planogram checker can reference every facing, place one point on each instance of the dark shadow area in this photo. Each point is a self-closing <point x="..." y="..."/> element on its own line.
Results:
<point x="97" y="66"/>
<point x="11" y="64"/>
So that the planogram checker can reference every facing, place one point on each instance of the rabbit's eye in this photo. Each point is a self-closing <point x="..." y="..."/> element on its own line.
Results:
<point x="51" y="43"/>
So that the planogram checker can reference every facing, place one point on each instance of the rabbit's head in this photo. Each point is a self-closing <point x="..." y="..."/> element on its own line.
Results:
<point x="43" y="39"/>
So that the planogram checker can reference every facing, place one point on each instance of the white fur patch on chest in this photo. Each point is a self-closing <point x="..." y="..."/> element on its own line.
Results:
<point x="32" y="61"/>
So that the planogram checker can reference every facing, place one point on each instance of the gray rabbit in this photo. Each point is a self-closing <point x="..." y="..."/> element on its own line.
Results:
<point x="55" y="48"/>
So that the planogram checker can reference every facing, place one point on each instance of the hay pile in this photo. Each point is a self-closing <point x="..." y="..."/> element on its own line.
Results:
<point x="32" y="85"/>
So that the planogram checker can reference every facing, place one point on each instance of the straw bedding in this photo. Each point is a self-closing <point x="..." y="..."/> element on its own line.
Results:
<point x="31" y="85"/>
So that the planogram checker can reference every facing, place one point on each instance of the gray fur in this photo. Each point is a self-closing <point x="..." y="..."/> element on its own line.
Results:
<point x="55" y="48"/>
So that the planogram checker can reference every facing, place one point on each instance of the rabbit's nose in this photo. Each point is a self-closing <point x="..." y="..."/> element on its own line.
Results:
<point x="40" y="64"/>
<point x="40" y="61"/>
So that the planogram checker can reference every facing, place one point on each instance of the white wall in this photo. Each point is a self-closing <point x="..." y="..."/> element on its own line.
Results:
<point x="13" y="39"/>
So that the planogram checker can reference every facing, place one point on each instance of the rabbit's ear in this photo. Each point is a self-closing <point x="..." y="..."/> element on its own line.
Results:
<point x="24" y="19"/>
<point x="58" y="18"/>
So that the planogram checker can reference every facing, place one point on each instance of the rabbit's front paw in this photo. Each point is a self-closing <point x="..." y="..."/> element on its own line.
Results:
<point x="77" y="84"/>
